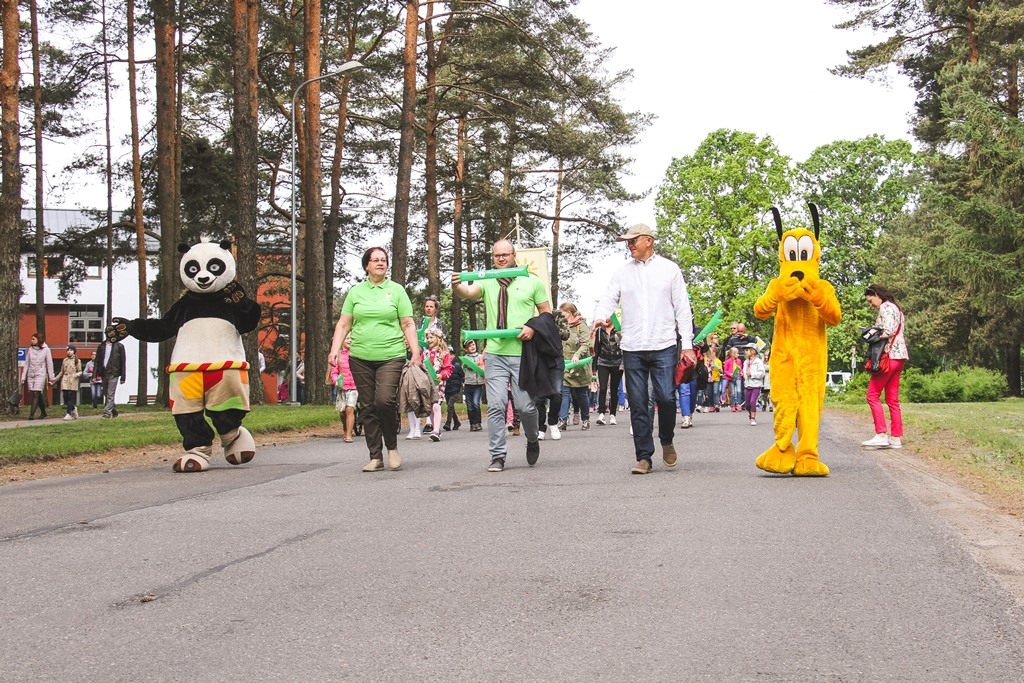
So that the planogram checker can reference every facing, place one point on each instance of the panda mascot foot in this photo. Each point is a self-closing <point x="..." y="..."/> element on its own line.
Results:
<point x="194" y="460"/>
<point x="239" y="446"/>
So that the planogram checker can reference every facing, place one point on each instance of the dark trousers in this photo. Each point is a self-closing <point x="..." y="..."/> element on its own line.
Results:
<point x="452" y="415"/>
<point x="472" y="393"/>
<point x="195" y="431"/>
<point x="377" y="383"/>
<point x="608" y="378"/>
<point x="70" y="399"/>
<point x="37" y="400"/>
<point x="658" y="368"/>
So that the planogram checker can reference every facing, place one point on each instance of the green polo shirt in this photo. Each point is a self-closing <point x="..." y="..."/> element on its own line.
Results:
<point x="524" y="295"/>
<point x="375" y="310"/>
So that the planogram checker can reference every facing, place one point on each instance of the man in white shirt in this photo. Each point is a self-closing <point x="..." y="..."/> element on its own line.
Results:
<point x="655" y="306"/>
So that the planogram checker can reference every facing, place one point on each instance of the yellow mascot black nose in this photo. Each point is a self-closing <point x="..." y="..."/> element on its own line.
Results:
<point x="798" y="274"/>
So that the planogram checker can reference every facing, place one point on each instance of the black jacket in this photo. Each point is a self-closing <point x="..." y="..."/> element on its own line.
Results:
<point x="113" y="368"/>
<point x="542" y="364"/>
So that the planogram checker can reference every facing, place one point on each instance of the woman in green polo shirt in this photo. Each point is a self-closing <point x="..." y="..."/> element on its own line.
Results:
<point x="378" y="314"/>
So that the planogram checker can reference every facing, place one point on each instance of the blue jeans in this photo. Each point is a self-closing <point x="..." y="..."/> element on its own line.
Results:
<point x="737" y="390"/>
<point x="687" y="397"/>
<point x="501" y="374"/>
<point x="580" y="399"/>
<point x="473" y="392"/>
<point x="659" y="368"/>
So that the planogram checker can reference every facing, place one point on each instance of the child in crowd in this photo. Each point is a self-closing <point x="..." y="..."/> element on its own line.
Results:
<point x="345" y="403"/>
<point x="441" y="360"/>
<point x="753" y="376"/>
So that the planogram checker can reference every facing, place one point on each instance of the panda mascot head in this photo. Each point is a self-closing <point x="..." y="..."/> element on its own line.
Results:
<point x="206" y="267"/>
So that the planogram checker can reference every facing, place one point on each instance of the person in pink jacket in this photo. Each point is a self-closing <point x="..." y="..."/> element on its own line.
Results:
<point x="347" y="394"/>
<point x="441" y="360"/>
<point x="38" y="374"/>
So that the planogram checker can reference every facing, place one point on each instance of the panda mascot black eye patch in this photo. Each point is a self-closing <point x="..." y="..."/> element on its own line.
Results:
<point x="207" y="373"/>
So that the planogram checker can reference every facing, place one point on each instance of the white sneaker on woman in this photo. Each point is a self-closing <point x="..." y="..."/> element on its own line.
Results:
<point x="611" y="419"/>
<point x="895" y="442"/>
<point x="877" y="441"/>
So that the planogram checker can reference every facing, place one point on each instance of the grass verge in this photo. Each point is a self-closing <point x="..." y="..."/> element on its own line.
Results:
<point x="56" y="439"/>
<point x="982" y="443"/>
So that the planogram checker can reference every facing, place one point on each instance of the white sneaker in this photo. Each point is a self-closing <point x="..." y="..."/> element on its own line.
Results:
<point x="877" y="441"/>
<point x="555" y="432"/>
<point x="540" y="435"/>
<point x="600" y="419"/>
<point x="895" y="442"/>
<point x="415" y="435"/>
<point x="611" y="420"/>
<point x="686" y="423"/>
<point x="68" y="418"/>
<point x="74" y="412"/>
<point x="753" y="422"/>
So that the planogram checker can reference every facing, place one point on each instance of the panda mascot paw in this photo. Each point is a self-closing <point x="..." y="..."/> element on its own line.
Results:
<point x="117" y="330"/>
<point x="239" y="446"/>
<point x="195" y="460"/>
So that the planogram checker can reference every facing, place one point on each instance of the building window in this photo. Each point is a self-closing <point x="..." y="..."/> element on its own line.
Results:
<point x="85" y="324"/>
<point x="53" y="266"/>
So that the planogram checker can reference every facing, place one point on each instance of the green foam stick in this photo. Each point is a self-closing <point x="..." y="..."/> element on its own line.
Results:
<point x="471" y="365"/>
<point x="579" y="364"/>
<point x="712" y="324"/>
<point x="473" y="275"/>
<point x="468" y="335"/>
<point x="421" y="334"/>
<point x="430" y="368"/>
<point x="615" y="322"/>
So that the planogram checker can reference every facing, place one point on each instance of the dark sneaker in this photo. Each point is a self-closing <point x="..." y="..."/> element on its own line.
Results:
<point x="641" y="467"/>
<point x="497" y="465"/>
<point x="427" y="428"/>
<point x="532" y="452"/>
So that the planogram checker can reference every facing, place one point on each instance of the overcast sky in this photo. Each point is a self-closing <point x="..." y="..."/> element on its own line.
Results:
<point x="752" y="65"/>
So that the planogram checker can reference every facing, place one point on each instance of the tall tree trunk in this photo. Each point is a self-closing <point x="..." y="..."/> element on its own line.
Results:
<point x="430" y="162"/>
<point x="137" y="201"/>
<point x="556" y="231"/>
<point x="315" y="304"/>
<point x="460" y="191"/>
<point x="245" y="125"/>
<point x="1013" y="379"/>
<point x="972" y="31"/>
<point x="407" y="141"/>
<point x="10" y="195"/>
<point x="165" y="18"/>
<point x="37" y="129"/>
<point x="332" y="231"/>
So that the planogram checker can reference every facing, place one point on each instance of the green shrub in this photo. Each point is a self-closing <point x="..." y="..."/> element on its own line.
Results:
<point x="965" y="385"/>
<point x="982" y="385"/>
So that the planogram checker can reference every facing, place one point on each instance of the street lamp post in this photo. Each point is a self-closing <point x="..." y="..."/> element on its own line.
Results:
<point x="293" y="338"/>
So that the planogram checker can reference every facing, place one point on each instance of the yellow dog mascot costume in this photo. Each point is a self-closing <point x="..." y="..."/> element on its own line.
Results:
<point x="803" y="305"/>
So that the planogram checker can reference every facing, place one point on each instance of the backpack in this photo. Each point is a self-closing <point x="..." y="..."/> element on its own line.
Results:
<point x="702" y="374"/>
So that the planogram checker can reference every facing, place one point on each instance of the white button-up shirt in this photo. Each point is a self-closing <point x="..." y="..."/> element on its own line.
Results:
<point x="654" y="304"/>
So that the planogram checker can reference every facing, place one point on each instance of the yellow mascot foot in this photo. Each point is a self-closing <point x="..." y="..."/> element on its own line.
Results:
<point x="776" y="460"/>
<point x="810" y="467"/>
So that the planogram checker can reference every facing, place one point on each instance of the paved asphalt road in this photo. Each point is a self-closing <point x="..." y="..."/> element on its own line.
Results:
<point x="299" y="567"/>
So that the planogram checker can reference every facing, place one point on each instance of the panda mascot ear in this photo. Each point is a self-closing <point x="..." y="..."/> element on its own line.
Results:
<point x="225" y="245"/>
<point x="183" y="248"/>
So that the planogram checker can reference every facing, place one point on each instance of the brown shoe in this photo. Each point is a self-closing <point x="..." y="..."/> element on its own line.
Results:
<point x="394" y="461"/>
<point x="515" y="431"/>
<point x="642" y="467"/>
<point x="668" y="454"/>
<point x="375" y="465"/>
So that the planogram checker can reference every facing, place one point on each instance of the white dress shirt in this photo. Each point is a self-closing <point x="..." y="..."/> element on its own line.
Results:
<point x="654" y="304"/>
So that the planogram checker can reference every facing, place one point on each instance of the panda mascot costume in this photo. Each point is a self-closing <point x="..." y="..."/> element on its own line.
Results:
<point x="207" y="371"/>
